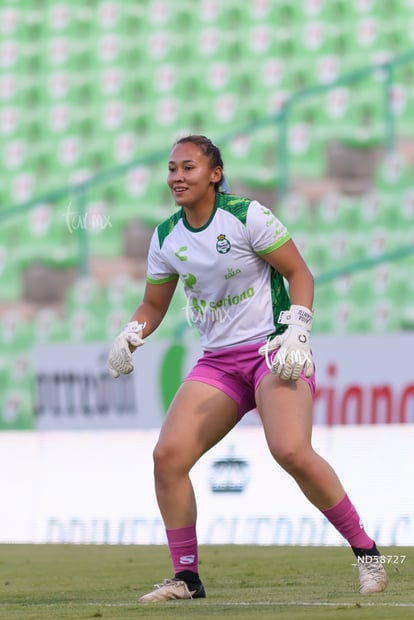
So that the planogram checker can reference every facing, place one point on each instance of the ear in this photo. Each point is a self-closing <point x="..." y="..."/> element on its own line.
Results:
<point x="216" y="174"/>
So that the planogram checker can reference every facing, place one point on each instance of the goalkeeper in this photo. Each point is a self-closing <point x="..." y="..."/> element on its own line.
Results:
<point x="232" y="256"/>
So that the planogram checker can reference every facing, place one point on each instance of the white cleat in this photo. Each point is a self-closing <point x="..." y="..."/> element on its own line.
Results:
<point x="171" y="590"/>
<point x="372" y="575"/>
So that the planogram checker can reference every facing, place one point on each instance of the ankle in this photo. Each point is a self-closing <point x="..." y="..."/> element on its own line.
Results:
<point x="190" y="577"/>
<point x="362" y="553"/>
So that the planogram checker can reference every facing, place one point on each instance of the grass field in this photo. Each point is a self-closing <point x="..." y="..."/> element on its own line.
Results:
<point x="55" y="582"/>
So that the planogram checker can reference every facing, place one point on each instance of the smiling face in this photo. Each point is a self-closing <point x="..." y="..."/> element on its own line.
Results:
<point x="191" y="177"/>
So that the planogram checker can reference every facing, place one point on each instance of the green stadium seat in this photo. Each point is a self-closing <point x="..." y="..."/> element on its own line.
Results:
<point x="384" y="317"/>
<point x="333" y="211"/>
<point x="393" y="173"/>
<point x="404" y="303"/>
<point x="324" y="297"/>
<point x="335" y="111"/>
<point x="340" y="248"/>
<point x="124" y="292"/>
<point x="378" y="241"/>
<point x="11" y="19"/>
<point x="344" y="318"/>
<point x="16" y="407"/>
<point x="221" y="14"/>
<point x="11" y="55"/>
<point x="402" y="106"/>
<point x="145" y="196"/>
<point x="306" y="152"/>
<point x="178" y="17"/>
<point x="251" y="158"/>
<point x="322" y="320"/>
<point x="50" y="326"/>
<point x="115" y="321"/>
<point x="363" y="115"/>
<point x="14" y="154"/>
<point x="85" y="293"/>
<point x="59" y="18"/>
<point x="16" y="333"/>
<point x="406" y="211"/>
<point x="88" y="86"/>
<point x="10" y="277"/>
<point x="12" y="117"/>
<point x="178" y="323"/>
<point x="48" y="233"/>
<point x="85" y="325"/>
<point x="104" y="233"/>
<point x="312" y="39"/>
<point x="375" y="209"/>
<point x="10" y="273"/>
<point x="294" y="211"/>
<point x="388" y="282"/>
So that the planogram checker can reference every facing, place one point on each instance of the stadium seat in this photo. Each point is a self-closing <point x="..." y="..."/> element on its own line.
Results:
<point x="10" y="277"/>
<point x="124" y="292"/>
<point x="48" y="233"/>
<point x="376" y="209"/>
<point x="294" y="212"/>
<point x="85" y="87"/>
<point x="144" y="196"/>
<point x="83" y="325"/>
<point x="104" y="233"/>
<point x="86" y="293"/>
<point x="49" y="325"/>
<point x="10" y="272"/>
<point x="251" y="158"/>
<point x="16" y="407"/>
<point x="16" y="333"/>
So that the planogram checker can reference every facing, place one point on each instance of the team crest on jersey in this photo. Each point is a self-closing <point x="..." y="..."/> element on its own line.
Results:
<point x="223" y="245"/>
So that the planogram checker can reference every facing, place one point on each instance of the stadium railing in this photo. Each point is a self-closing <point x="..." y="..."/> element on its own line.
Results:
<point x="79" y="192"/>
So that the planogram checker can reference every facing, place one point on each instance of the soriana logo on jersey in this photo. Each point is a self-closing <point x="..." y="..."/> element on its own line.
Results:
<point x="223" y="245"/>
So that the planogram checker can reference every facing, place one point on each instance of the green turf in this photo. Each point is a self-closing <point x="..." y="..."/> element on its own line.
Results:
<point x="54" y="582"/>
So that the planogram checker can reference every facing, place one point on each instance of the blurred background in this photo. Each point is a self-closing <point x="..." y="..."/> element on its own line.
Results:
<point x="310" y="101"/>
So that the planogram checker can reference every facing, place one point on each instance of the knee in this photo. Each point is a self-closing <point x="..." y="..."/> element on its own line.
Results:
<point x="294" y="460"/>
<point x="167" y="462"/>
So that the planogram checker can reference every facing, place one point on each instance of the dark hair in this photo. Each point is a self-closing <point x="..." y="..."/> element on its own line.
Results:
<point x="211" y="151"/>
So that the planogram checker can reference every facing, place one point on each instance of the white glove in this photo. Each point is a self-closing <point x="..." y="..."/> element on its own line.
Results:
<point x="293" y="346"/>
<point x="120" y="355"/>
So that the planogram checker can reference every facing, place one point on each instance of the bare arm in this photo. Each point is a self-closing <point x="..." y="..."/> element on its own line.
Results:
<point x="154" y="305"/>
<point x="288" y="261"/>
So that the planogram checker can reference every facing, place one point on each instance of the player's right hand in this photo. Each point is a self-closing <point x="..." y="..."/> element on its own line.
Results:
<point x="120" y="355"/>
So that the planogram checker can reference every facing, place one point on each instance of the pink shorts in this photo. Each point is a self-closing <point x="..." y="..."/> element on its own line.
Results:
<point x="237" y="372"/>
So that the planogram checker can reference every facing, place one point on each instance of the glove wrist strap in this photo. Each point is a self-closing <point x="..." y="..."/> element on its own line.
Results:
<point x="297" y="315"/>
<point x="135" y="327"/>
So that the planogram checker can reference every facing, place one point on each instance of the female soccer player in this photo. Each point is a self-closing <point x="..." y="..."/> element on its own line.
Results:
<point x="232" y="256"/>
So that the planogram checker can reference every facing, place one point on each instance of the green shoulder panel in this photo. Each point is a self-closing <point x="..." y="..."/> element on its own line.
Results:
<point x="235" y="205"/>
<point x="167" y="226"/>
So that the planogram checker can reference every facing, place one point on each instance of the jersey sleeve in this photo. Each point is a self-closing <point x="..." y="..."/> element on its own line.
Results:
<point x="266" y="232"/>
<point x="159" y="269"/>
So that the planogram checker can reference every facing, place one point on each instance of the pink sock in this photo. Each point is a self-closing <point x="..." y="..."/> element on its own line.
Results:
<point x="345" y="518"/>
<point x="183" y="548"/>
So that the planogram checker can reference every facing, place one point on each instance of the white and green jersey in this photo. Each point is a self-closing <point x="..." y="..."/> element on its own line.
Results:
<point x="233" y="296"/>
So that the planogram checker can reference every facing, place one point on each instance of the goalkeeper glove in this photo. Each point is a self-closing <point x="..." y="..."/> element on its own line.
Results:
<point x="293" y="346"/>
<point x="120" y="355"/>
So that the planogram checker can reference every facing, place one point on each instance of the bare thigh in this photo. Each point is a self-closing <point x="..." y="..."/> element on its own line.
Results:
<point x="198" y="418"/>
<point x="286" y="410"/>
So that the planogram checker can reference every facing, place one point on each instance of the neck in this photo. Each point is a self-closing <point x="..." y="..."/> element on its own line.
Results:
<point x="198" y="215"/>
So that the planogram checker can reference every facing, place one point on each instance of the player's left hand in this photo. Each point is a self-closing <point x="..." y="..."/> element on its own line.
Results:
<point x="120" y="355"/>
<point x="293" y="352"/>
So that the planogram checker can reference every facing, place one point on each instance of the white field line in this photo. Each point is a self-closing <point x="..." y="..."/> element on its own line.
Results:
<point x="319" y="604"/>
<point x="210" y="603"/>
